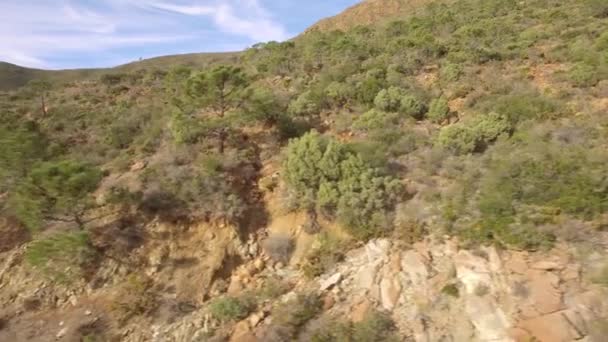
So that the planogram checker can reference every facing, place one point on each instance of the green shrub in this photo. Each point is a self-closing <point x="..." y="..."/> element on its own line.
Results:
<point x="327" y="252"/>
<point x="439" y="110"/>
<point x="451" y="290"/>
<point x="374" y="119"/>
<point x="368" y="89"/>
<point x="375" y="326"/>
<point x="601" y="43"/>
<point x="530" y="185"/>
<point x="324" y="176"/>
<point x="307" y="104"/>
<point x="584" y="75"/>
<point x="602" y="276"/>
<point x="121" y="134"/>
<point x="473" y="135"/>
<point x="412" y="106"/>
<point x="57" y="191"/>
<point x="450" y="72"/>
<point x="203" y="188"/>
<point x="389" y="100"/>
<point x="279" y="247"/>
<point x="222" y="88"/>
<point x="520" y="105"/>
<point x="184" y="129"/>
<point x="264" y="106"/>
<point x="62" y="256"/>
<point x="112" y="79"/>
<point x="136" y="297"/>
<point x="20" y="149"/>
<point x="597" y="8"/>
<point x="294" y="313"/>
<point x="458" y="138"/>
<point x="232" y="308"/>
<point x="395" y="99"/>
<point x="339" y="93"/>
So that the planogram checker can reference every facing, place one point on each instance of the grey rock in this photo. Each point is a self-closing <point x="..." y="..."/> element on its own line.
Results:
<point x="331" y="281"/>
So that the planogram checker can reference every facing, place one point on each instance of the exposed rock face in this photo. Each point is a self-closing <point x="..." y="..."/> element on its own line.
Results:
<point x="476" y="273"/>
<point x="502" y="296"/>
<point x="390" y="291"/>
<point x="331" y="281"/>
<point x="434" y="291"/>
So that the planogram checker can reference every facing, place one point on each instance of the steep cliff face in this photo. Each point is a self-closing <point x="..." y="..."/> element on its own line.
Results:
<point x="366" y="13"/>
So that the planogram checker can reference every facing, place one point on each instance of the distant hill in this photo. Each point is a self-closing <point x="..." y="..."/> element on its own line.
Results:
<point x="14" y="76"/>
<point x="365" y="13"/>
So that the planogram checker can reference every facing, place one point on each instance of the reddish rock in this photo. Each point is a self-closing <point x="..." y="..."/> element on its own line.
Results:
<point x="242" y="333"/>
<point x="328" y="302"/>
<point x="517" y="263"/>
<point x="235" y="287"/>
<point x="547" y="265"/>
<point x="360" y="311"/>
<point x="395" y="263"/>
<point x="554" y="327"/>
<point x="138" y="166"/>
<point x="571" y="272"/>
<point x="544" y="292"/>
<point x="390" y="290"/>
<point x="519" y="335"/>
<point x="255" y="319"/>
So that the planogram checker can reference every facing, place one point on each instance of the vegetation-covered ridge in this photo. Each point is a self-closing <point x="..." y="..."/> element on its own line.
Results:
<point x="483" y="119"/>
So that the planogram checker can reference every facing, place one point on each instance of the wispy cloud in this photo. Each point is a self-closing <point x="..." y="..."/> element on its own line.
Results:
<point x="37" y="33"/>
<point x="246" y="17"/>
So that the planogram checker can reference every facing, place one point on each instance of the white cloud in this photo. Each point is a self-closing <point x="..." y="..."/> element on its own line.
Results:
<point x="246" y="18"/>
<point x="35" y="32"/>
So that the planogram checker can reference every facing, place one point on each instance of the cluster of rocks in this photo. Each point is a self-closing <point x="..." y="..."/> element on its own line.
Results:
<point x="438" y="291"/>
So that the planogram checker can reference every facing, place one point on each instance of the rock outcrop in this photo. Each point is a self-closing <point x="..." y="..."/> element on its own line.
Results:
<point x="437" y="291"/>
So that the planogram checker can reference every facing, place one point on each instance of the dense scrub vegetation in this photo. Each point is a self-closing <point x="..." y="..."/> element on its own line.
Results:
<point x="487" y="114"/>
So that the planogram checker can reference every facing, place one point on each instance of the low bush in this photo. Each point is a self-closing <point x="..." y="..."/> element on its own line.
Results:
<point x="375" y="119"/>
<point x="121" y="134"/>
<point x="279" y="247"/>
<point x="475" y="134"/>
<point x="439" y="110"/>
<point x="451" y="290"/>
<point x="232" y="308"/>
<point x="597" y="8"/>
<point x="307" y="104"/>
<point x="376" y="326"/>
<point x="62" y="257"/>
<point x="601" y="277"/>
<point x="450" y="72"/>
<point x="296" y="312"/>
<point x="327" y="252"/>
<point x="521" y="104"/>
<point x="112" y="79"/>
<point x="531" y="184"/>
<point x="395" y="99"/>
<point x="325" y="177"/>
<point x="389" y="100"/>
<point x="585" y="75"/>
<point x="339" y="93"/>
<point x="136" y="298"/>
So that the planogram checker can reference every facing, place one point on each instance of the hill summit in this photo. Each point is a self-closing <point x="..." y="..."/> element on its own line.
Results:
<point x="365" y="13"/>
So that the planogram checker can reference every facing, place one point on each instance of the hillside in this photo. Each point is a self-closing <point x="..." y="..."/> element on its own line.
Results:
<point x="439" y="174"/>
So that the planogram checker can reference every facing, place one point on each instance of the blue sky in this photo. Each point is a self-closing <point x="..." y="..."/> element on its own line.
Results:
<point x="57" y="34"/>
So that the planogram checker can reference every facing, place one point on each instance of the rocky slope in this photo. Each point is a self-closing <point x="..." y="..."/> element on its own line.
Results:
<point x="435" y="290"/>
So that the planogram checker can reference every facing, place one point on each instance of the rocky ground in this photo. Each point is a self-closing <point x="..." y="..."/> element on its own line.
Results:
<point x="435" y="290"/>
